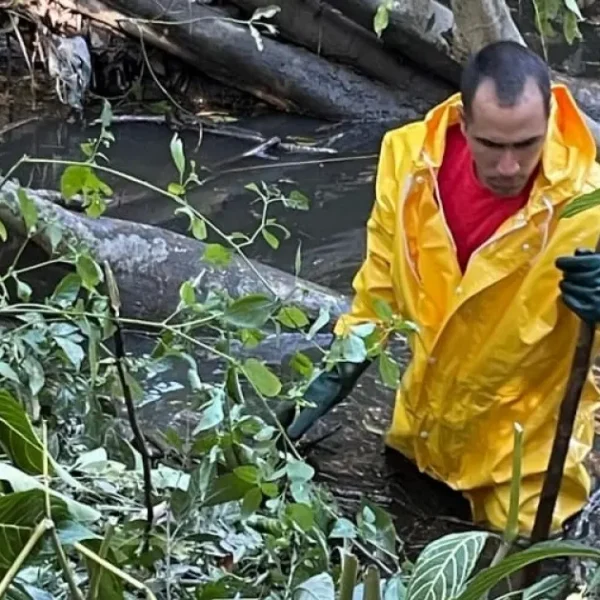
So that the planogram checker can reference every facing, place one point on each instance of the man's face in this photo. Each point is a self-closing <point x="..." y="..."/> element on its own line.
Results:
<point x="506" y="142"/>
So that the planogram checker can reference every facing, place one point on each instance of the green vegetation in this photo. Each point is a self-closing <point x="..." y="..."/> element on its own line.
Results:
<point x="231" y="510"/>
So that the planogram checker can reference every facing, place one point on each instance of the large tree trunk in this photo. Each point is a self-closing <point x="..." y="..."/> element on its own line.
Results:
<point x="326" y="32"/>
<point x="151" y="263"/>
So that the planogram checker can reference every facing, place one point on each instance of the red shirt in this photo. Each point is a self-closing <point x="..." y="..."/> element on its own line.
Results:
<point x="472" y="211"/>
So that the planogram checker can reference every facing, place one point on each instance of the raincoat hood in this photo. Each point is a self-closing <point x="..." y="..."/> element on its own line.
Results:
<point x="569" y="151"/>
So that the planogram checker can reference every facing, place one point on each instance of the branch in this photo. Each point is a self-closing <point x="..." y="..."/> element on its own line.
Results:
<point x="120" y="356"/>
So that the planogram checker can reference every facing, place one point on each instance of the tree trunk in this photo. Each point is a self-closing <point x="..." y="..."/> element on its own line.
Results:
<point x="326" y="32"/>
<point x="419" y="29"/>
<point x="438" y="45"/>
<point x="151" y="263"/>
<point x="284" y="75"/>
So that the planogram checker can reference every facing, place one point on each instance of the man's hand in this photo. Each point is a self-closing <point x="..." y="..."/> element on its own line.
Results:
<point x="580" y="285"/>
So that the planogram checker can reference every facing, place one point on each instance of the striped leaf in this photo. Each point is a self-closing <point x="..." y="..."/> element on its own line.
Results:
<point x="445" y="565"/>
<point x="17" y="437"/>
<point x="20" y="513"/>
<point x="488" y="578"/>
<point x="580" y="204"/>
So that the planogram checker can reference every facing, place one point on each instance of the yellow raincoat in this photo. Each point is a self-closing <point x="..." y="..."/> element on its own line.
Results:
<point x="497" y="343"/>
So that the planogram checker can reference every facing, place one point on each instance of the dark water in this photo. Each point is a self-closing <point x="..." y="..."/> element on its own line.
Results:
<point x="340" y="186"/>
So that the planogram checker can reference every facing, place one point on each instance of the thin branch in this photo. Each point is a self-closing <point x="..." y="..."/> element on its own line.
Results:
<point x="120" y="358"/>
<point x="62" y="559"/>
<point x="115" y="570"/>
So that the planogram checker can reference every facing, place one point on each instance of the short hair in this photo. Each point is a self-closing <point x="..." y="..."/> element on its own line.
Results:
<point x="509" y="65"/>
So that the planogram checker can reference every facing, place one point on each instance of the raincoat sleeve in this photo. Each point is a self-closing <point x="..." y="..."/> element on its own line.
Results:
<point x="374" y="279"/>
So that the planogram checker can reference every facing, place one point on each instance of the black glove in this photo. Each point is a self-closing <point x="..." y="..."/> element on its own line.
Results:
<point x="580" y="285"/>
<point x="325" y="392"/>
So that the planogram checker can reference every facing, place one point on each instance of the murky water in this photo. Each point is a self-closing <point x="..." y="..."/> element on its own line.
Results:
<point x="339" y="186"/>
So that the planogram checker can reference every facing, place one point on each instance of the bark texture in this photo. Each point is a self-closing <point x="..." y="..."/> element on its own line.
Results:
<point x="151" y="263"/>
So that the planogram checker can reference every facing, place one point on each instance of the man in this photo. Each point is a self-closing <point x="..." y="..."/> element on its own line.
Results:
<point x="464" y="239"/>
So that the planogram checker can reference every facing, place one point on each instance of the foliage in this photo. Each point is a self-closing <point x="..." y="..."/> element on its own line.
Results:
<point x="550" y="13"/>
<point x="236" y="510"/>
<point x="381" y="20"/>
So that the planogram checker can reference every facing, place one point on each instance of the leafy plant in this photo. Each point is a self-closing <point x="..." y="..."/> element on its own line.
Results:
<point x="228" y="508"/>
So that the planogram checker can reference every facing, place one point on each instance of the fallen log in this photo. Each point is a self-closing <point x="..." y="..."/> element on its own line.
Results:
<point x="150" y="264"/>
<point x="328" y="33"/>
<point x="426" y="33"/>
<point x="286" y="76"/>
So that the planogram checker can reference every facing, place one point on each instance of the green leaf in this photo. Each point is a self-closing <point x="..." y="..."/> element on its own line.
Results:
<point x="176" y="189"/>
<point x="383" y="309"/>
<point x="302" y="364"/>
<point x="394" y="589"/>
<point x="35" y="374"/>
<point x="318" y="587"/>
<point x="297" y="200"/>
<point x="573" y="8"/>
<point x="20" y="512"/>
<point x="106" y="115"/>
<point x="322" y="320"/>
<point x="248" y="473"/>
<point x="389" y="370"/>
<point x="292" y="317"/>
<point x="270" y="489"/>
<point x="570" y="28"/>
<point x="177" y="154"/>
<point x="250" y="312"/>
<point x="73" y="351"/>
<point x="187" y="293"/>
<point x="217" y="255"/>
<point x="89" y="271"/>
<point x="176" y="147"/>
<point x="17" y="437"/>
<point x="21" y="482"/>
<point x="251" y="501"/>
<point x="547" y="588"/>
<point x="96" y="207"/>
<point x="71" y="532"/>
<point x="381" y="19"/>
<point x="580" y="204"/>
<point x="7" y="372"/>
<point x="28" y="209"/>
<point x="377" y="526"/>
<point x="67" y="290"/>
<point x="3" y="232"/>
<point x="73" y="180"/>
<point x="199" y="228"/>
<point x="227" y="488"/>
<point x="301" y="514"/>
<point x="343" y="528"/>
<point x="445" y="565"/>
<point x="261" y="377"/>
<point x="212" y="412"/>
<point x="299" y="471"/>
<point x="54" y="231"/>
<point x="489" y="577"/>
<point x="270" y="238"/>
<point x="350" y="348"/>
<point x="24" y="291"/>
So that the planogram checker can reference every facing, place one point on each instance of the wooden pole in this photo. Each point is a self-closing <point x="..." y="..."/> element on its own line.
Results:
<point x="568" y="409"/>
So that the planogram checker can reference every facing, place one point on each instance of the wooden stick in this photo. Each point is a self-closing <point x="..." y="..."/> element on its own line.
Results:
<point x="580" y="367"/>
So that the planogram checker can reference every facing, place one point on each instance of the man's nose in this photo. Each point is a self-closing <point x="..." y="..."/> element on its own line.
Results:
<point x="508" y="165"/>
